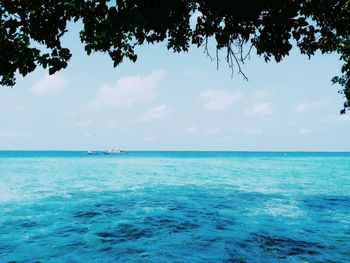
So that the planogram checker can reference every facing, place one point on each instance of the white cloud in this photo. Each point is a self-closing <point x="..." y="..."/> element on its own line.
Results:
<point x="116" y="126"/>
<point x="149" y="138"/>
<point x="254" y="131"/>
<point x="261" y="109"/>
<point x="83" y="124"/>
<point x="128" y="91"/>
<point x="307" y="106"/>
<point x="212" y="131"/>
<point x="262" y="94"/>
<point x="156" y="113"/>
<point x="219" y="99"/>
<point x="18" y="108"/>
<point x="191" y="129"/>
<point x="111" y="124"/>
<point x="12" y="134"/>
<point x="195" y="74"/>
<point x="304" y="131"/>
<point x="225" y="139"/>
<point x="289" y="123"/>
<point x="50" y="85"/>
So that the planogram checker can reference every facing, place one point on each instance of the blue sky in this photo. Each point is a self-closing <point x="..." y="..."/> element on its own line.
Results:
<point x="169" y="101"/>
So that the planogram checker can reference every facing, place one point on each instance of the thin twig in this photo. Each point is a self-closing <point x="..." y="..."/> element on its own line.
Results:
<point x="206" y="51"/>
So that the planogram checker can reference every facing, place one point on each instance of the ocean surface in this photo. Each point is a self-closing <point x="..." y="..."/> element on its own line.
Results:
<point x="174" y="207"/>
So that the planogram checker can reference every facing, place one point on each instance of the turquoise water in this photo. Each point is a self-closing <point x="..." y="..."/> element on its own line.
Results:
<point x="174" y="207"/>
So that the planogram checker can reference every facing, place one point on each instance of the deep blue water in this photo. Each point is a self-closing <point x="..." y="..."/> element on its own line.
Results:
<point x="174" y="207"/>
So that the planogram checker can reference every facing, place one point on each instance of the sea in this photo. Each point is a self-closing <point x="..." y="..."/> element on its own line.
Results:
<point x="68" y="206"/>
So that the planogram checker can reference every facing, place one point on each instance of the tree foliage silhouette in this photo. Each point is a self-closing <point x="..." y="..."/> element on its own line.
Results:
<point x="31" y="31"/>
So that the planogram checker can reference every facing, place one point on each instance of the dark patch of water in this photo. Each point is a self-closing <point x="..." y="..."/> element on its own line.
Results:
<point x="70" y="230"/>
<point x="124" y="232"/>
<point x="333" y="203"/>
<point x="284" y="246"/>
<point x="87" y="214"/>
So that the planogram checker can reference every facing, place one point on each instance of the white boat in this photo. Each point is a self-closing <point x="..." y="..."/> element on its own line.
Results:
<point x="91" y="153"/>
<point x="114" y="151"/>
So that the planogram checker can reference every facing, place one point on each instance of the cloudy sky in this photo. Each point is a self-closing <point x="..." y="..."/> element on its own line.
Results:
<point x="169" y="101"/>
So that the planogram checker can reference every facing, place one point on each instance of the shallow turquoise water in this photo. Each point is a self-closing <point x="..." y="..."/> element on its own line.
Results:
<point x="174" y="207"/>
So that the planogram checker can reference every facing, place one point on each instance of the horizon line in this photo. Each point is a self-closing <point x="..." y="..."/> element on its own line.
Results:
<point x="272" y="151"/>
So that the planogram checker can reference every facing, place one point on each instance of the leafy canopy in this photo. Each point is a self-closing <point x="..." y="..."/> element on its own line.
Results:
<point x="31" y="31"/>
